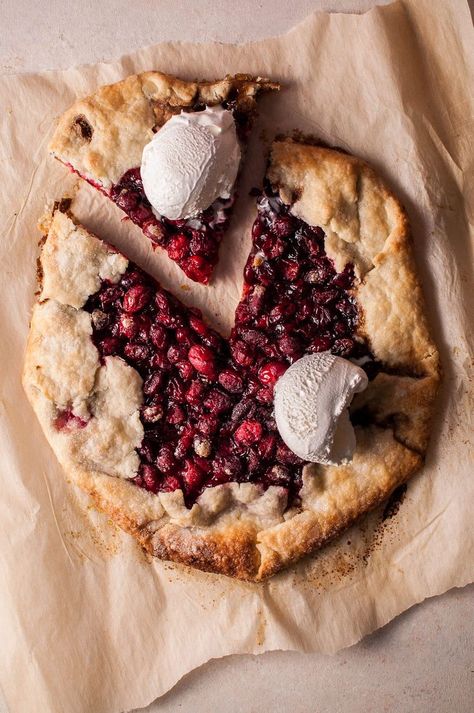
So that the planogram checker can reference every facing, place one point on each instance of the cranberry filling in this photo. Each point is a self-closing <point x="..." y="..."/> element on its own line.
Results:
<point x="208" y="401"/>
<point x="192" y="243"/>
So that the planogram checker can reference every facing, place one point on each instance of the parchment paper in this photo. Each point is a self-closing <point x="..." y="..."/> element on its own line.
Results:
<point x="87" y="623"/>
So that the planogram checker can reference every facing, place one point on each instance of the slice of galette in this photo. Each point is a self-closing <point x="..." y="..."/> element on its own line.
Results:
<point x="241" y="455"/>
<point x="167" y="152"/>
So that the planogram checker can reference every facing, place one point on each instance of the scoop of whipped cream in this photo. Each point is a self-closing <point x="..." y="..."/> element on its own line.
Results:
<point x="192" y="160"/>
<point x="311" y="407"/>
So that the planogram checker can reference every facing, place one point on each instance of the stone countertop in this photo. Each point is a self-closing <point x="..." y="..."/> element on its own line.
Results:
<point x="423" y="661"/>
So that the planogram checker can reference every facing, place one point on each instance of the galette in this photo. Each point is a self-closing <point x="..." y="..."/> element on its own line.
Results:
<point x="238" y="455"/>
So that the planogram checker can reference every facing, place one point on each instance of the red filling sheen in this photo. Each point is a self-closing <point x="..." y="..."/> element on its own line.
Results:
<point x="192" y="243"/>
<point x="208" y="401"/>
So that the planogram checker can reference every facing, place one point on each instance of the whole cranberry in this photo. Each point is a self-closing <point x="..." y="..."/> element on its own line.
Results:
<point x="127" y="199"/>
<point x="198" y="325"/>
<point x="192" y="476"/>
<point x="201" y="244"/>
<point x="195" y="393"/>
<point x="266" y="446"/>
<point x="320" y="344"/>
<point x="158" y="335"/>
<point x="217" y="401"/>
<point x="185" y="370"/>
<point x="151" y="477"/>
<point x="175" y="415"/>
<point x="136" y="298"/>
<point x="185" y="441"/>
<point x="169" y="484"/>
<point x="128" y="325"/>
<point x="184" y="336"/>
<point x="282" y="226"/>
<point x="141" y="214"/>
<point x="248" y="432"/>
<point x="231" y="381"/>
<point x="290" y="346"/>
<point x="243" y="354"/>
<point x="208" y="424"/>
<point x="265" y="395"/>
<point x="173" y="354"/>
<point x="270" y="372"/>
<point x="154" y="231"/>
<point x="197" y="268"/>
<point x="109" y="346"/>
<point x="136" y="352"/>
<point x="178" y="247"/>
<point x="226" y="467"/>
<point x="202" y="359"/>
<point x="165" y="459"/>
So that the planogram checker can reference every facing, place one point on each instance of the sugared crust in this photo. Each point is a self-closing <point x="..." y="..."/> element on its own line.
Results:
<point x="103" y="135"/>
<point x="236" y="529"/>
<point x="73" y="263"/>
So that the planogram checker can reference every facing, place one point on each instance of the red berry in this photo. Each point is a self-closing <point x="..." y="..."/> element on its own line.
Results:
<point x="136" y="352"/>
<point x="202" y="358"/>
<point x="165" y="459"/>
<point x="216" y="401"/>
<point x="195" y="393"/>
<point x="109" y="346"/>
<point x="151" y="477"/>
<point x="169" y="484"/>
<point x="175" y="415"/>
<point x="197" y="268"/>
<point x="158" y="336"/>
<point x="136" y="298"/>
<point x="282" y="226"/>
<point x="320" y="344"/>
<point x="185" y="370"/>
<point x="192" y="476"/>
<point x="248" y="432"/>
<point x="243" y="354"/>
<point x="127" y="199"/>
<point x="270" y="372"/>
<point x="178" y="247"/>
<point x="198" y="325"/>
<point x="231" y="381"/>
<point x="128" y="325"/>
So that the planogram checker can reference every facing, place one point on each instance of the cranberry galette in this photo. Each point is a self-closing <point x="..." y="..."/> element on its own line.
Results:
<point x="102" y="138"/>
<point x="171" y="428"/>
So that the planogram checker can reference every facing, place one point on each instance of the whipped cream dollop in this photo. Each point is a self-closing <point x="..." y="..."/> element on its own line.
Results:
<point x="311" y="407"/>
<point x="192" y="160"/>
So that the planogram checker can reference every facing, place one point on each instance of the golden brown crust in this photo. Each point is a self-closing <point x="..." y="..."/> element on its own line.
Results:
<point x="102" y="136"/>
<point x="236" y="529"/>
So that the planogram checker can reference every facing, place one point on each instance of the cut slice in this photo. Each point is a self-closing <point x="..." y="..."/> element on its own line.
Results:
<point x="102" y="138"/>
<point x="170" y="427"/>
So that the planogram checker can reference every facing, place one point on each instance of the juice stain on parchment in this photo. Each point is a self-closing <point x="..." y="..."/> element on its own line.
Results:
<point x="344" y="559"/>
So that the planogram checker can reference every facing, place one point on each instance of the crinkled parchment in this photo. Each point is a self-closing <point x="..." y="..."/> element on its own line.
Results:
<point x="88" y="624"/>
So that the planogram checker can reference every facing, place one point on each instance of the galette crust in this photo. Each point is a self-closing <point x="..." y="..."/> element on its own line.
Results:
<point x="102" y="136"/>
<point x="236" y="529"/>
